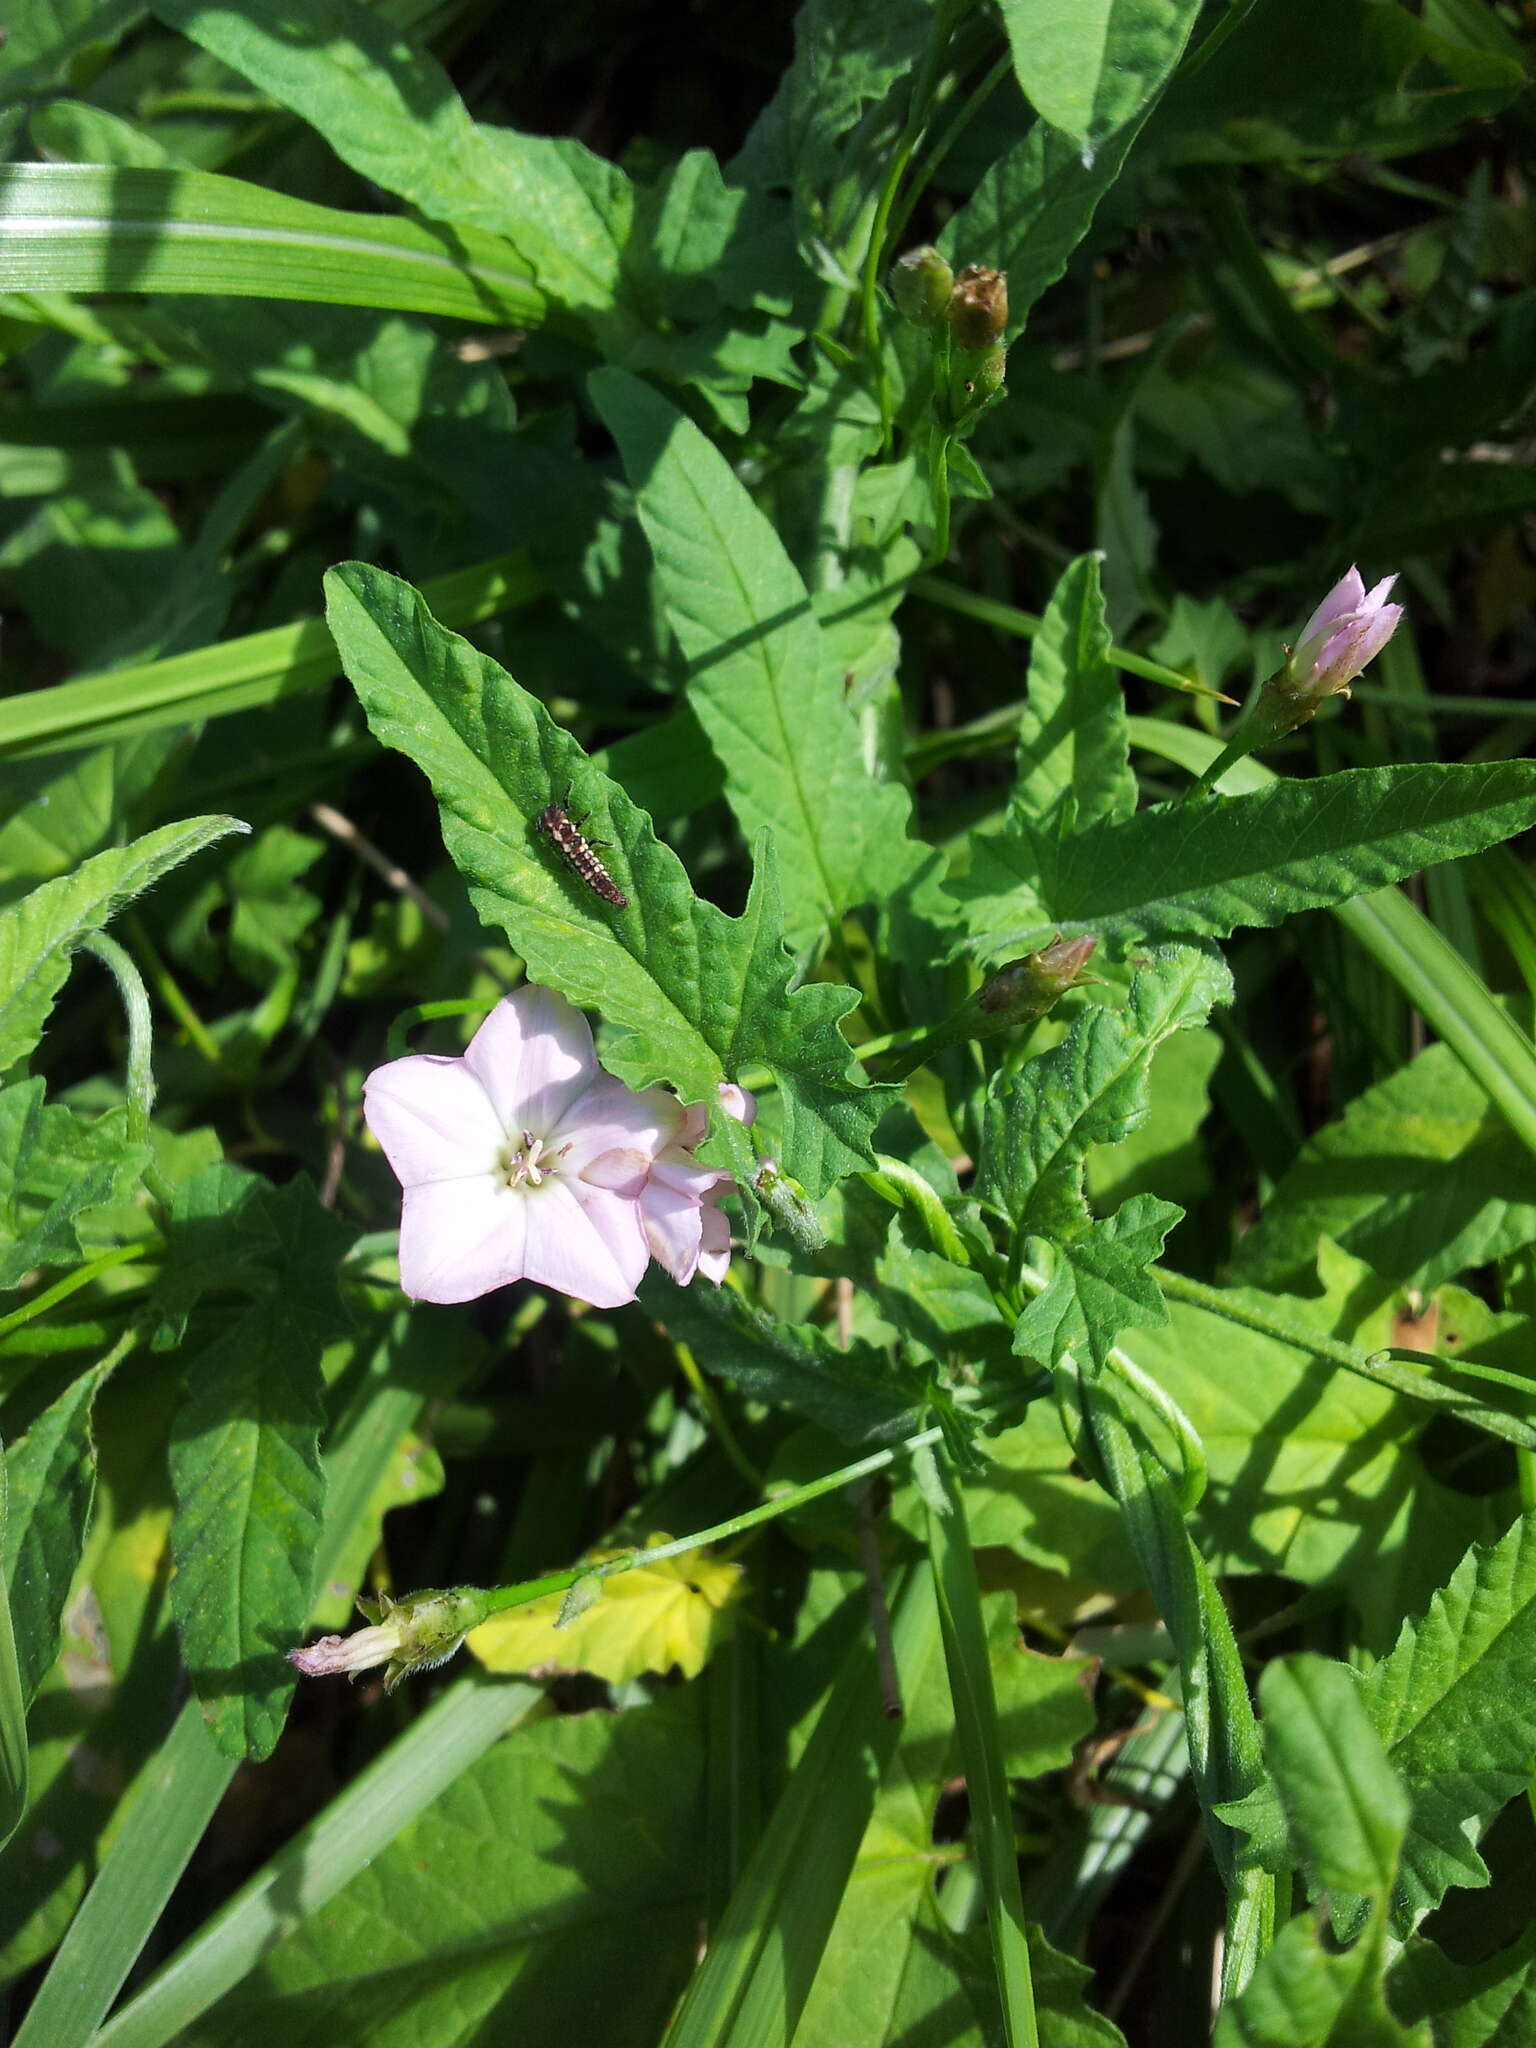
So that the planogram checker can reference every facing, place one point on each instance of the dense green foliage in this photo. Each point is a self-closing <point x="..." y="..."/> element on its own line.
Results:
<point x="1073" y="1583"/>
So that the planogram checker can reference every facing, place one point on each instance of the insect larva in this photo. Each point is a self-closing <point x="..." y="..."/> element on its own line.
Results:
<point x="558" y="827"/>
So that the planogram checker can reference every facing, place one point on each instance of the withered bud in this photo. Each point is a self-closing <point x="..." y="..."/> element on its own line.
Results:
<point x="978" y="311"/>
<point x="406" y="1635"/>
<point x="921" y="284"/>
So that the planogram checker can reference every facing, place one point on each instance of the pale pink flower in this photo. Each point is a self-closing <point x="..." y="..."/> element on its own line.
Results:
<point x="1346" y="632"/>
<point x="521" y="1161"/>
<point x="679" y="1205"/>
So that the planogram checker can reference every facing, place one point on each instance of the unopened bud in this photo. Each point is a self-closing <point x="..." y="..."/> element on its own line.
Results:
<point x="1025" y="989"/>
<point x="406" y="1636"/>
<point x="1018" y="993"/>
<point x="921" y="284"/>
<point x="978" y="311"/>
<point x="1346" y="632"/>
<point x="739" y="1103"/>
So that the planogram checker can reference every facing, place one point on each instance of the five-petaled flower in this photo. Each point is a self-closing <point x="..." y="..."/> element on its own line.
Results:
<point x="523" y="1160"/>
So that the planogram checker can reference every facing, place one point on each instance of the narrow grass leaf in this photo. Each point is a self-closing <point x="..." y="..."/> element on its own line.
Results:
<point x="179" y="1788"/>
<point x="390" y="1792"/>
<point x="387" y="108"/>
<point x="981" y="1748"/>
<point x="233" y="675"/>
<point x="1223" y="1734"/>
<point x="80" y="228"/>
<point x="754" y="1980"/>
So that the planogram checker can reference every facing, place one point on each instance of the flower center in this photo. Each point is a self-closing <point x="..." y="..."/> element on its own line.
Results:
<point x="529" y="1164"/>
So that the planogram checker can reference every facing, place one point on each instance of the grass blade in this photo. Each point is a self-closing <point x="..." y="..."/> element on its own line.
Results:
<point x="233" y="675"/>
<point x="752" y="1985"/>
<point x="321" y="1858"/>
<point x="179" y="1788"/>
<point x="981" y="1748"/>
<point x="88" y="228"/>
<point x="172" y="1804"/>
<point x="13" y="1711"/>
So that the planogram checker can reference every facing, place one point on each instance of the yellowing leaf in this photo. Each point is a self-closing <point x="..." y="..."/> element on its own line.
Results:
<point x="648" y="1619"/>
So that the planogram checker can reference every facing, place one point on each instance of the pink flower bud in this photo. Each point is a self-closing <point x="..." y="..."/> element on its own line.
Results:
<point x="739" y="1103"/>
<point x="1346" y="632"/>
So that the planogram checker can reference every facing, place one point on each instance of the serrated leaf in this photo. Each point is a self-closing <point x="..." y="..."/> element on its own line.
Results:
<point x="697" y="995"/>
<point x="761" y="683"/>
<point x="38" y="934"/>
<point x="892" y="1964"/>
<point x="1420" y="1178"/>
<point x="1074" y="752"/>
<point x="1102" y="1284"/>
<point x="1032" y="208"/>
<point x="1089" y="1090"/>
<point x="389" y="110"/>
<point x="1487" y="2004"/>
<point x="1302" y="1996"/>
<point x="1455" y="1707"/>
<point x="244" y="1455"/>
<point x="1089" y="66"/>
<point x="1346" y="1806"/>
<point x="1208" y="867"/>
<point x="55" y="1166"/>
<point x="659" y="1615"/>
<point x="1313" y="1471"/>
<point x="50" y="1484"/>
<point x="851" y="60"/>
<point x="859" y="1394"/>
<point x="562" y="1863"/>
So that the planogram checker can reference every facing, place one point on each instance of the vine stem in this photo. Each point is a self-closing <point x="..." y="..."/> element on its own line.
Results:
<point x="499" y="1598"/>
<point x="140" y="1079"/>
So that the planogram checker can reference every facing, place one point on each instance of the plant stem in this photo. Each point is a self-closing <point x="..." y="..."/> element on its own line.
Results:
<point x="73" y="1282"/>
<point x="499" y="1598"/>
<point x="140" y="1078"/>
<point x="1009" y="619"/>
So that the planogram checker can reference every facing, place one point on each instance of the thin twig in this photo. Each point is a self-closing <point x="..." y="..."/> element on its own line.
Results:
<point x="356" y="842"/>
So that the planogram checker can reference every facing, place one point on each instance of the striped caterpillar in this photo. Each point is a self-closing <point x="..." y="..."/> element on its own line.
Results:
<point x="565" y="836"/>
